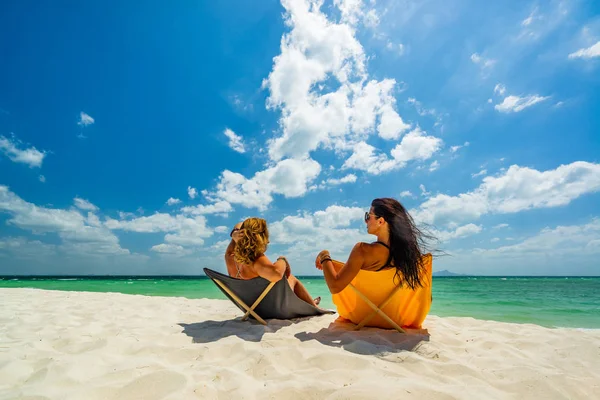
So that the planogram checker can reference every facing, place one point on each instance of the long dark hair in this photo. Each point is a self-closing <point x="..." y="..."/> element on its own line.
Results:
<point x="407" y="241"/>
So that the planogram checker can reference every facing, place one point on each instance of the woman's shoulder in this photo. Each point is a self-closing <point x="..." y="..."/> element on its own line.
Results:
<point x="364" y="246"/>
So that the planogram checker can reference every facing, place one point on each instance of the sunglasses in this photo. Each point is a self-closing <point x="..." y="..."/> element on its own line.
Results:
<point x="233" y="231"/>
<point x="368" y="215"/>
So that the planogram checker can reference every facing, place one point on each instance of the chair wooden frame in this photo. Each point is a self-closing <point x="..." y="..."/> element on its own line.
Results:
<point x="249" y="310"/>
<point x="377" y="309"/>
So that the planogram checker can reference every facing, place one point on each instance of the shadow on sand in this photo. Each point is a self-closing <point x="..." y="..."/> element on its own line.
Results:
<point x="371" y="341"/>
<point x="249" y="330"/>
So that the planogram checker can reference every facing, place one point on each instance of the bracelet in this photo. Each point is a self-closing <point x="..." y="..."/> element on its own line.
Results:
<point x="322" y="260"/>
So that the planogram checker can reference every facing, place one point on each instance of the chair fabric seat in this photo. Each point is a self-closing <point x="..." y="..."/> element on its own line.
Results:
<point x="408" y="308"/>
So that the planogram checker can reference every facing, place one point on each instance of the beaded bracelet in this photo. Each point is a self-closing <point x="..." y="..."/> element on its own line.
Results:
<point x="325" y="259"/>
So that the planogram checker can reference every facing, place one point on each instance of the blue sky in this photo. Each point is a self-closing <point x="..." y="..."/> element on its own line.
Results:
<point x="132" y="138"/>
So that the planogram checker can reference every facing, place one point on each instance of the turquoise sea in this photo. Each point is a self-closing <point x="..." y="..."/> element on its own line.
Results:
<point x="547" y="301"/>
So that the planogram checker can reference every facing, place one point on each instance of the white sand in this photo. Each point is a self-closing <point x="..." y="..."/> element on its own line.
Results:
<point x="71" y="345"/>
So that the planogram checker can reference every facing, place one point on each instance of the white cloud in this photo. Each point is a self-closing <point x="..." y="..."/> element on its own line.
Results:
<point x="494" y="240"/>
<point x="517" y="189"/>
<point x="517" y="104"/>
<point x="42" y="178"/>
<point x="414" y="146"/>
<point x="587" y="53"/>
<point x="30" y="156"/>
<point x="454" y="149"/>
<point x="192" y="192"/>
<point x="172" y="201"/>
<point x="219" y="207"/>
<point x="289" y="178"/>
<point x="79" y="234"/>
<point x="84" y="204"/>
<point x="397" y="48"/>
<point x="350" y="178"/>
<point x="500" y="89"/>
<point x="424" y="191"/>
<point x="20" y="247"/>
<point x="221" y="245"/>
<point x="85" y="119"/>
<point x="353" y="12"/>
<point x="171" y="249"/>
<point x="181" y="230"/>
<point x="485" y="63"/>
<point x="500" y="226"/>
<point x="458" y="233"/>
<point x="221" y="229"/>
<point x="371" y="19"/>
<point x="328" y="228"/>
<point x="235" y="141"/>
<point x="483" y="172"/>
<point x="406" y="193"/>
<point x="317" y="50"/>
<point x="527" y="21"/>
<point x="434" y="166"/>
<point x="573" y="240"/>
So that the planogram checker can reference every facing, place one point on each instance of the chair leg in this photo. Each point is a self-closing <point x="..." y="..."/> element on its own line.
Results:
<point x="377" y="310"/>
<point x="240" y="302"/>
<point x="257" y="302"/>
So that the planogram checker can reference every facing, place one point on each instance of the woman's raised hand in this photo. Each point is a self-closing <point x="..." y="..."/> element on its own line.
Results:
<point x="324" y="254"/>
<point x="236" y="232"/>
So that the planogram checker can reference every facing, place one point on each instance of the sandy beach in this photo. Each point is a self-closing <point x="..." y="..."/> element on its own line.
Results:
<point x="76" y="345"/>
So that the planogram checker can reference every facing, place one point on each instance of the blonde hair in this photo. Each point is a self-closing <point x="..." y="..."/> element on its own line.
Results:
<point x="253" y="241"/>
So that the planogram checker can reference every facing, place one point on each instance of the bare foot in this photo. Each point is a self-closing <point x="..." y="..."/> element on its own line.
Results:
<point x="317" y="300"/>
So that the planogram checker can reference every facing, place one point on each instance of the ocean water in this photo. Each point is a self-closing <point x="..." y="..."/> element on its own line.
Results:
<point x="547" y="301"/>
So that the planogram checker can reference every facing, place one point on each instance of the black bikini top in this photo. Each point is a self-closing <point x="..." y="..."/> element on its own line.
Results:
<point x="387" y="263"/>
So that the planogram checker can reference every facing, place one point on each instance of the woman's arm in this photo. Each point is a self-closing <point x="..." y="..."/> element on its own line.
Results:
<point x="338" y="278"/>
<point x="229" y="261"/>
<point x="272" y="272"/>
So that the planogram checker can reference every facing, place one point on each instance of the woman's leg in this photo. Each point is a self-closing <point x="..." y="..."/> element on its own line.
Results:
<point x="301" y="291"/>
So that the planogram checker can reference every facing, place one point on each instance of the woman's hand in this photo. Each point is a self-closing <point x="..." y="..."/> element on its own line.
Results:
<point x="324" y="254"/>
<point x="288" y="269"/>
<point x="236" y="232"/>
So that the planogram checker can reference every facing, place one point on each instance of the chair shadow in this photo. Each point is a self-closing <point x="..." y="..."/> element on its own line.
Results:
<point x="367" y="341"/>
<point x="249" y="330"/>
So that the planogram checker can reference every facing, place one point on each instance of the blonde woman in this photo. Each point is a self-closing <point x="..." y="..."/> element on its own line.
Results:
<point x="245" y="258"/>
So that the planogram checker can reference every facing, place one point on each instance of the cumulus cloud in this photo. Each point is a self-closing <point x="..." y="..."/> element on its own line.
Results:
<point x="572" y="240"/>
<point x="315" y="53"/>
<point x="516" y="189"/>
<point x="172" y="201"/>
<point x="85" y="119"/>
<point x="483" y="172"/>
<point x="350" y="178"/>
<point x="170" y="249"/>
<point x="84" y="204"/>
<point x="235" y="141"/>
<point x="484" y="63"/>
<point x="290" y="178"/>
<point x="192" y="192"/>
<point x="460" y="232"/>
<point x="587" y="53"/>
<point x="219" y="207"/>
<point x="517" y="103"/>
<point x="181" y="230"/>
<point x="80" y="234"/>
<point x="414" y="146"/>
<point x="30" y="156"/>
<point x="454" y="149"/>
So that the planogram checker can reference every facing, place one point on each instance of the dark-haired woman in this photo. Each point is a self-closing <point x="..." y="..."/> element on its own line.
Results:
<point x="396" y="258"/>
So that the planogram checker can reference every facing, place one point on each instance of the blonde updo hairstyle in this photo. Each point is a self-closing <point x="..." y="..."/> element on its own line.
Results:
<point x="254" y="238"/>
